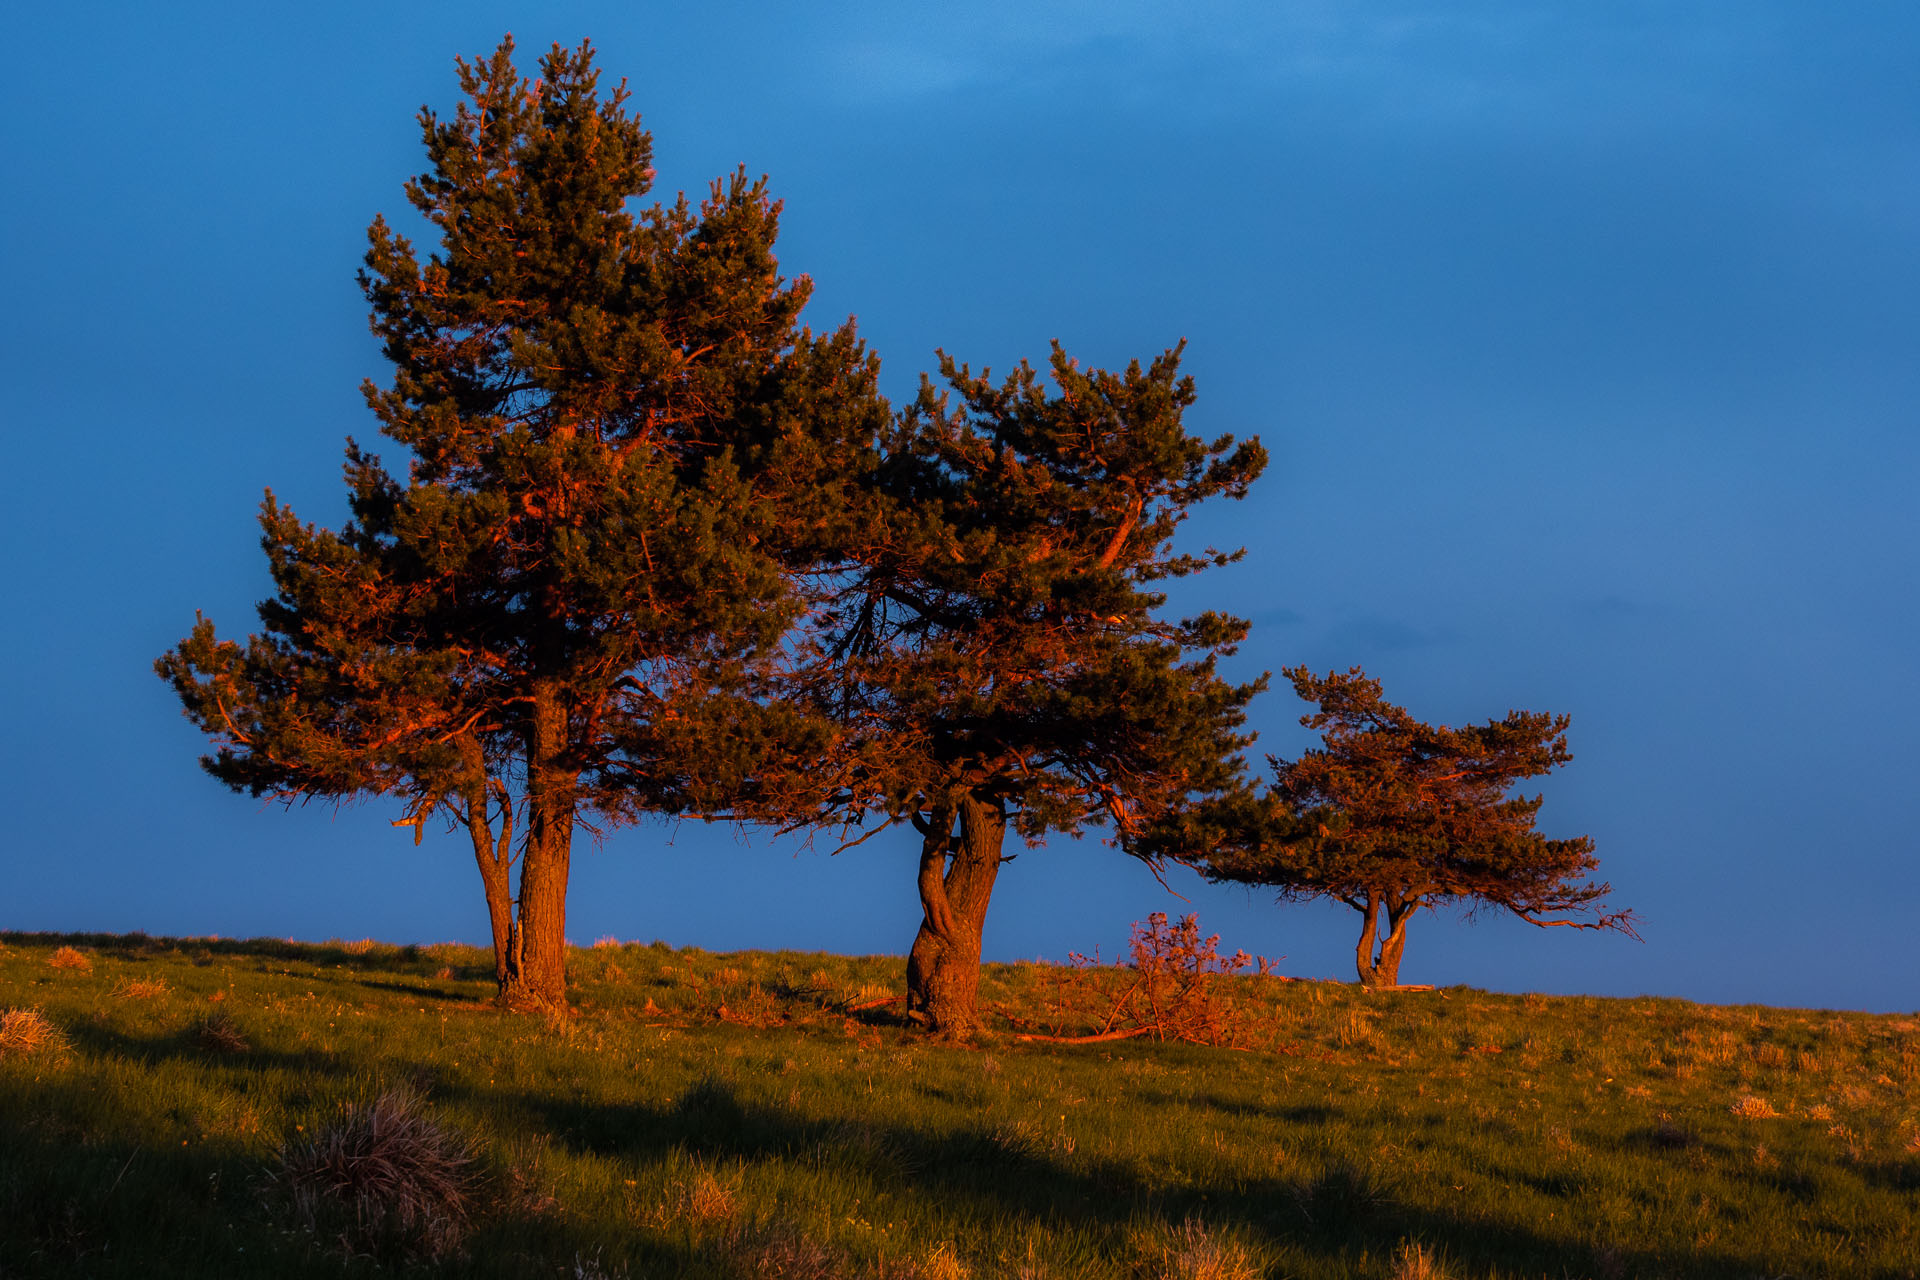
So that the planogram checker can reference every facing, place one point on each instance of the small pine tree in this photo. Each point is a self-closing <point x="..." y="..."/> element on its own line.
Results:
<point x="1392" y="815"/>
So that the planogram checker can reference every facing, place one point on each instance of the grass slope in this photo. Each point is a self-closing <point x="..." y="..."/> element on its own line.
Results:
<point x="721" y="1115"/>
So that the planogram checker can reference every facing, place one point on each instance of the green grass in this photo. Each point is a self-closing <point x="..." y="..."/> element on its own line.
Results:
<point x="718" y="1115"/>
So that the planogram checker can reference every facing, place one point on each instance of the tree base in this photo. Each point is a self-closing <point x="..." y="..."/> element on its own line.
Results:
<point x="516" y="998"/>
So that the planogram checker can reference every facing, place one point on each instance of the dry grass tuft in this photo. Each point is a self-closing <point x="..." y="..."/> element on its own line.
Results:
<point x="777" y="1251"/>
<point x="700" y="1198"/>
<point x="942" y="1264"/>
<point x="382" y="1178"/>
<point x="1753" y="1107"/>
<point x="1414" y="1261"/>
<point x="1192" y="1252"/>
<point x="219" y="1033"/>
<point x="141" y="989"/>
<point x="526" y="1187"/>
<point x="70" y="958"/>
<point x="592" y="1268"/>
<point x="27" y="1031"/>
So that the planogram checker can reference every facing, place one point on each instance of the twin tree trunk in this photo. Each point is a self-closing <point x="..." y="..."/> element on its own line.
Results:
<point x="956" y="882"/>
<point x="1381" y="968"/>
<point x="529" y="955"/>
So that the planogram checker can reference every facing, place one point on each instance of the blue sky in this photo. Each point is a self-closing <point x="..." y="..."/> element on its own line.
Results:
<point x="1583" y="339"/>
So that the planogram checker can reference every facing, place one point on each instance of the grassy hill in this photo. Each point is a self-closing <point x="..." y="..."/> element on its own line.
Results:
<point x="182" y="1107"/>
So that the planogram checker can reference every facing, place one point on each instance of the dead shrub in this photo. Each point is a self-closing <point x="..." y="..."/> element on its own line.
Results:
<point x="71" y="958"/>
<point x="382" y="1178"/>
<point x="27" y="1031"/>
<point x="218" y="1033"/>
<point x="1167" y="989"/>
<point x="141" y="989"/>
<point x="1753" y="1107"/>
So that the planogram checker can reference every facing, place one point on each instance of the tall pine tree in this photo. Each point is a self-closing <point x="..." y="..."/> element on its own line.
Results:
<point x="620" y="447"/>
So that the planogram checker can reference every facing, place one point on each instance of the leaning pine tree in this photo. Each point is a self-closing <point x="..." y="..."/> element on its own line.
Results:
<point x="998" y="645"/>
<point x="620" y="445"/>
<point x="1391" y="815"/>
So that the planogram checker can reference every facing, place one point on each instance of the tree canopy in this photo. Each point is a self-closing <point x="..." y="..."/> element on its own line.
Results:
<point x="1392" y="815"/>
<point x="619" y="446"/>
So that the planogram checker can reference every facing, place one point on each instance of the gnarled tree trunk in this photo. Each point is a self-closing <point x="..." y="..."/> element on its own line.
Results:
<point x="956" y="883"/>
<point x="1378" y="958"/>
<point x="537" y="952"/>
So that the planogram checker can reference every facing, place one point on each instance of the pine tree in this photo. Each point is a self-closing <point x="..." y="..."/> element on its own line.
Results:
<point x="620" y="449"/>
<point x="998" y="648"/>
<point x="1392" y="815"/>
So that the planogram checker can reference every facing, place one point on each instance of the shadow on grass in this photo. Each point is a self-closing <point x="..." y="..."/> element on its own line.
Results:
<point x="1334" y="1216"/>
<point x="1301" y="1114"/>
<point x="411" y="991"/>
<point x="133" y="946"/>
<point x="184" y="1045"/>
<point x="76" y="1204"/>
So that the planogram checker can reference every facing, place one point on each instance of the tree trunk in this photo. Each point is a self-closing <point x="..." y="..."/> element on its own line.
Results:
<point x="493" y="876"/>
<point x="1363" y="954"/>
<point x="1395" y="943"/>
<point x="956" y="883"/>
<point x="492" y="855"/>
<point x="1378" y="958"/>
<point x="537" y="951"/>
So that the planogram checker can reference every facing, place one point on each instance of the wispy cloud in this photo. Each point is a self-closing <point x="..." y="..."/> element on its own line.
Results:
<point x="1490" y="61"/>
